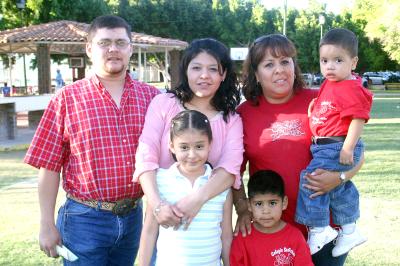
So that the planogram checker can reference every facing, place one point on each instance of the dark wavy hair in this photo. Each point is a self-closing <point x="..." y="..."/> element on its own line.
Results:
<point x="227" y="97"/>
<point x="277" y="45"/>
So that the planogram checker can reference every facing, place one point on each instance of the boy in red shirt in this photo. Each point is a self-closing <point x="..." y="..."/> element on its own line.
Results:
<point x="337" y="119"/>
<point x="272" y="241"/>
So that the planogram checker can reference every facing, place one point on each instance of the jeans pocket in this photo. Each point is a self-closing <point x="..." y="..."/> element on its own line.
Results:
<point x="74" y="208"/>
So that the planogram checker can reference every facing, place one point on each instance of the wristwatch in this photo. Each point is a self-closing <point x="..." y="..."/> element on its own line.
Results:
<point x="342" y="177"/>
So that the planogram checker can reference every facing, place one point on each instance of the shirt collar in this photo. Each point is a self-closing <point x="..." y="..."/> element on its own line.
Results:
<point x="205" y="176"/>
<point x="95" y="79"/>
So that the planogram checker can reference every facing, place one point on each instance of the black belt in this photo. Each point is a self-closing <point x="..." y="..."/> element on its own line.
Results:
<point x="327" y="140"/>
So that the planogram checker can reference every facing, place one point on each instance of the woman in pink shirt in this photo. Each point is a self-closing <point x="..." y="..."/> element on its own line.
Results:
<point x="209" y="85"/>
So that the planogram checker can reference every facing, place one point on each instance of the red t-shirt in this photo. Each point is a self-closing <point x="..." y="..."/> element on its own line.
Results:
<point x="277" y="137"/>
<point x="286" y="247"/>
<point x="337" y="104"/>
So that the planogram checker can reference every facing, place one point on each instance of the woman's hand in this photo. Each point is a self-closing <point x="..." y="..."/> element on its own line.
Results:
<point x="322" y="181"/>
<point x="187" y="208"/>
<point x="243" y="222"/>
<point x="165" y="215"/>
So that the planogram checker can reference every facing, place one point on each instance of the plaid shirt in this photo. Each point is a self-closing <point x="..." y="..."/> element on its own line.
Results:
<point x="84" y="133"/>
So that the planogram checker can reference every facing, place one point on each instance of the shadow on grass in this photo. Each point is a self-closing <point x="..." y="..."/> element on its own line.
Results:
<point x="382" y="137"/>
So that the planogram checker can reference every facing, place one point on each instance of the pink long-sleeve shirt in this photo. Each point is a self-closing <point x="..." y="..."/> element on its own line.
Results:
<point x="153" y="152"/>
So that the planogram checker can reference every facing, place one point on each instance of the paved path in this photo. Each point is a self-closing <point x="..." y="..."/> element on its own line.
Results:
<point x="23" y="136"/>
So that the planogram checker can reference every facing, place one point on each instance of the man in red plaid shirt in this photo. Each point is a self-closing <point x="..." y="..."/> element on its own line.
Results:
<point x="90" y="132"/>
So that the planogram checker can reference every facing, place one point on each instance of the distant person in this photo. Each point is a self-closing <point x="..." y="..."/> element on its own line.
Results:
<point x="337" y="118"/>
<point x="272" y="241"/>
<point x="6" y="90"/>
<point x="59" y="80"/>
<point x="134" y="74"/>
<point x="89" y="132"/>
<point x="210" y="234"/>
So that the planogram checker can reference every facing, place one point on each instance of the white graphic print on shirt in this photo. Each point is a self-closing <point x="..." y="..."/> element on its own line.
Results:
<point x="286" y="128"/>
<point x="283" y="256"/>
<point x="319" y="117"/>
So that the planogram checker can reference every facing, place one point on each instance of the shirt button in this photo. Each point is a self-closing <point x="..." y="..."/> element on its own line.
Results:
<point x="128" y="163"/>
<point x="124" y="140"/>
<point x="129" y="185"/>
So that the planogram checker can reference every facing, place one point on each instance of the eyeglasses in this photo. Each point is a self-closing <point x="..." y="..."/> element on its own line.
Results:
<point x="106" y="43"/>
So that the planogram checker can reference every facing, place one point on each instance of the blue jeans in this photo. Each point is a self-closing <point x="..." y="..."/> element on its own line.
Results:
<point x="342" y="201"/>
<point x="324" y="257"/>
<point x="99" y="237"/>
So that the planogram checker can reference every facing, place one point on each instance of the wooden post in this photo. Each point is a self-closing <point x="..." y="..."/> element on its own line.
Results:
<point x="43" y="63"/>
<point x="175" y="57"/>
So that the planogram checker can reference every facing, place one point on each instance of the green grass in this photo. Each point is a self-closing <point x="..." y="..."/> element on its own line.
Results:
<point x="386" y="107"/>
<point x="13" y="170"/>
<point x="378" y="183"/>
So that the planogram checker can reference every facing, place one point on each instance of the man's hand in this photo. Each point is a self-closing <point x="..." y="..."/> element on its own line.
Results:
<point x="49" y="237"/>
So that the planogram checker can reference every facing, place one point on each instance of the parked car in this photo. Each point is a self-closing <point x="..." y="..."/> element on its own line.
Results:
<point x="375" y="78"/>
<point x="317" y="79"/>
<point x="364" y="82"/>
<point x="308" y="79"/>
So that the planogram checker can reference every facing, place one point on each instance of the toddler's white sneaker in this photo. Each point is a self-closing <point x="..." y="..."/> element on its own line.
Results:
<point x="318" y="237"/>
<point x="346" y="242"/>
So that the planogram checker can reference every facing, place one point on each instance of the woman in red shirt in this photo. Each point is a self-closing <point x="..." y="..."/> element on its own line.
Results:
<point x="276" y="130"/>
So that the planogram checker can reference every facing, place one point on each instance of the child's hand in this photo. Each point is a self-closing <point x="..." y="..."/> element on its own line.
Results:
<point x="346" y="156"/>
<point x="310" y="107"/>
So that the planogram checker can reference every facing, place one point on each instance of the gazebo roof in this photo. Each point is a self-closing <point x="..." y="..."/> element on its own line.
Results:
<point x="69" y="37"/>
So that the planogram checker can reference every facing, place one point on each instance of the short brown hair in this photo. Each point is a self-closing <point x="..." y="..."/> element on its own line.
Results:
<point x="109" y="22"/>
<point x="343" y="38"/>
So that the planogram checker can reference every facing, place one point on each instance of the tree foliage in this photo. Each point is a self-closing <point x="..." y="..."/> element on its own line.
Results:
<point x="235" y="22"/>
<point x="382" y="23"/>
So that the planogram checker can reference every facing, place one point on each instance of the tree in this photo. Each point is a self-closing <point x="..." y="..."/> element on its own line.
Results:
<point x="382" y="23"/>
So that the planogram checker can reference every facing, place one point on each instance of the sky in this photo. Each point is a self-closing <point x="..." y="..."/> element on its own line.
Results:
<point x="334" y="6"/>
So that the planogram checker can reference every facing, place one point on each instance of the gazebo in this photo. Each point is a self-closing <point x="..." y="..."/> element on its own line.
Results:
<point x="69" y="37"/>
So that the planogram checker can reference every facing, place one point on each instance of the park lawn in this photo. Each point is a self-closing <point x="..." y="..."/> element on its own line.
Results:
<point x="378" y="183"/>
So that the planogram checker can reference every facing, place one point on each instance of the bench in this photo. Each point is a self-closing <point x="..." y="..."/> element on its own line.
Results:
<point x="392" y="86"/>
<point x="10" y="106"/>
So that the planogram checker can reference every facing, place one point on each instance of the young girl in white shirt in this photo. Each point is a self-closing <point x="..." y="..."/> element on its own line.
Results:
<point x="208" y="239"/>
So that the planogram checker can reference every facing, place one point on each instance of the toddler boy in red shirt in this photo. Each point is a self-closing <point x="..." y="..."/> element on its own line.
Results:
<point x="337" y="118"/>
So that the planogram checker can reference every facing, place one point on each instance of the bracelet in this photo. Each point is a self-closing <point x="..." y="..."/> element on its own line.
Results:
<point x="158" y="208"/>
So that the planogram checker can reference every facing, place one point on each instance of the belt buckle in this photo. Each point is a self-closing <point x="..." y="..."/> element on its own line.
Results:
<point x="314" y="140"/>
<point x="123" y="207"/>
